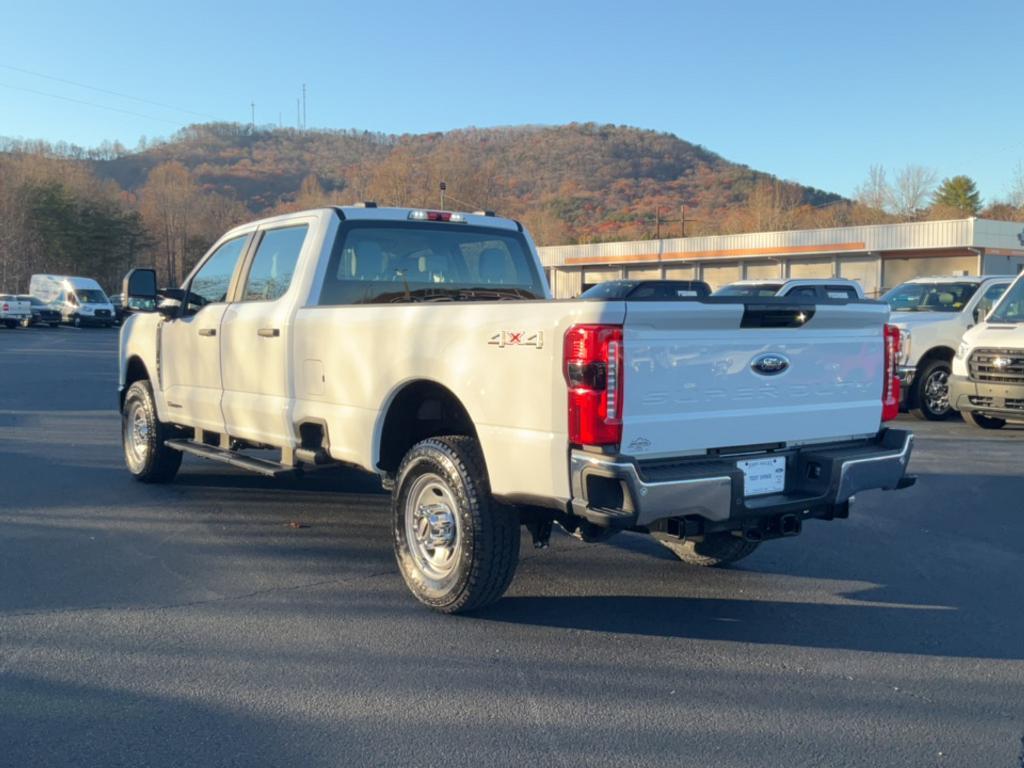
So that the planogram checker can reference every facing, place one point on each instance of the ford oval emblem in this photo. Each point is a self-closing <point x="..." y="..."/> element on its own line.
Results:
<point x="770" y="364"/>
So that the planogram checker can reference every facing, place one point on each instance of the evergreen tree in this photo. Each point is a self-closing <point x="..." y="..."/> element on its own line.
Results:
<point x="959" y="193"/>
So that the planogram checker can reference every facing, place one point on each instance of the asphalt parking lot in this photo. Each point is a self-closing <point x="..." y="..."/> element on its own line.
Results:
<point x="229" y="619"/>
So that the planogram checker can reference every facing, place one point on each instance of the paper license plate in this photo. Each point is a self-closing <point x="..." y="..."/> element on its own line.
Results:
<point x="762" y="476"/>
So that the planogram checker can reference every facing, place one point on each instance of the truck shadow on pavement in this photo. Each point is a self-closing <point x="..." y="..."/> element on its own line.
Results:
<point x="932" y="631"/>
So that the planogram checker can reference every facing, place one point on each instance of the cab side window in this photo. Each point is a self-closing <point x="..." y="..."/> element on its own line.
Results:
<point x="840" y="292"/>
<point x="803" y="290"/>
<point x="274" y="263"/>
<point x="989" y="300"/>
<point x="210" y="284"/>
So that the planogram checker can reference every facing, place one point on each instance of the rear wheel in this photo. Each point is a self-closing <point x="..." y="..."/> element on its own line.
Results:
<point x="931" y="391"/>
<point x="456" y="548"/>
<point x="143" y="436"/>
<point x="715" y="549"/>
<point x="981" y="421"/>
<point x="11" y="323"/>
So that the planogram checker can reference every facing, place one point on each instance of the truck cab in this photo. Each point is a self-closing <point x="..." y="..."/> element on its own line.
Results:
<point x="932" y="314"/>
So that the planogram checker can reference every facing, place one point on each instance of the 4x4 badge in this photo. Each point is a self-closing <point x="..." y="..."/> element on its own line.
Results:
<point x="517" y="339"/>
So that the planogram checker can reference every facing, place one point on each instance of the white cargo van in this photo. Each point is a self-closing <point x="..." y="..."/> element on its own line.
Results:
<point x="80" y="300"/>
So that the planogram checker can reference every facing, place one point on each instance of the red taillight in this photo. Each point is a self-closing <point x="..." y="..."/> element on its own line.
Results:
<point x="891" y="384"/>
<point x="7" y="307"/>
<point x="592" y="356"/>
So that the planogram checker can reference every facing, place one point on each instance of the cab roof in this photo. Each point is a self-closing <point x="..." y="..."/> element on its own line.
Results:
<point x="959" y="278"/>
<point x="370" y="212"/>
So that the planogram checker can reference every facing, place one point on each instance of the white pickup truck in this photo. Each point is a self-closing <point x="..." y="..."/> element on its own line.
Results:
<point x="932" y="314"/>
<point x="987" y="383"/>
<point x="14" y="311"/>
<point x="424" y="346"/>
<point x="825" y="288"/>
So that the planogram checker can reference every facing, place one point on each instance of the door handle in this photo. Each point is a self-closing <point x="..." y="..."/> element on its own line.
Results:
<point x="269" y="333"/>
<point x="207" y="331"/>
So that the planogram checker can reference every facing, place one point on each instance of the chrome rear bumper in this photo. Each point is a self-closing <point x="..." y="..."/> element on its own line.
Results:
<point x="621" y="493"/>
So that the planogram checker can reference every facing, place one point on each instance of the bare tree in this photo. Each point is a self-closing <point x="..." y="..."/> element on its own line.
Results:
<point x="875" y="192"/>
<point x="914" y="185"/>
<point x="1016" y="193"/>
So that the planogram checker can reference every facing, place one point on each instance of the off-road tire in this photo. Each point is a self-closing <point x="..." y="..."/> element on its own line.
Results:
<point x="716" y="549"/>
<point x="156" y="463"/>
<point x="919" y="400"/>
<point x="981" y="421"/>
<point x="488" y="551"/>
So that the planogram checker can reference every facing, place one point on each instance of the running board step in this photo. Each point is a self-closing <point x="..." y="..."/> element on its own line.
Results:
<point x="234" y="458"/>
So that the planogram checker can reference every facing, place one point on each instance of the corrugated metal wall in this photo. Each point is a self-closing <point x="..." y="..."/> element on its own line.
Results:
<point x="958" y="233"/>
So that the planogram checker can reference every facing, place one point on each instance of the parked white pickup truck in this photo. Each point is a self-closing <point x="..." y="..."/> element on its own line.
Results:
<point x="825" y="288"/>
<point x="14" y="311"/>
<point x="424" y="346"/>
<point x="987" y="385"/>
<point x="932" y="314"/>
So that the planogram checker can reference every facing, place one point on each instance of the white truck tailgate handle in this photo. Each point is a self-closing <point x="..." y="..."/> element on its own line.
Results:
<point x="269" y="333"/>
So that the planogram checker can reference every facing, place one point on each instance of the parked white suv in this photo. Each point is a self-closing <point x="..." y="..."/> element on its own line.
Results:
<point x="831" y="288"/>
<point x="423" y="346"/>
<point x="987" y="385"/>
<point x="932" y="314"/>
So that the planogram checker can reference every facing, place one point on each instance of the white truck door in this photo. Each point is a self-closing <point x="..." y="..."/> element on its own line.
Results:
<point x="189" y="348"/>
<point x="255" y="340"/>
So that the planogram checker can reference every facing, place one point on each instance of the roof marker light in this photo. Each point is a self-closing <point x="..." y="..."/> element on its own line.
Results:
<point x="454" y="218"/>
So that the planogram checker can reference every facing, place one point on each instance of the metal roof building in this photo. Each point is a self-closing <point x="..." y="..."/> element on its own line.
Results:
<point x="880" y="256"/>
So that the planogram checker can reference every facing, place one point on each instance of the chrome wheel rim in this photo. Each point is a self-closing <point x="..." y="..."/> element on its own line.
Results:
<point x="936" y="392"/>
<point x="431" y="527"/>
<point x="136" y="435"/>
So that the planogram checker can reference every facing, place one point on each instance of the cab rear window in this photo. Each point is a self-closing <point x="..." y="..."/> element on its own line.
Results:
<point x="394" y="262"/>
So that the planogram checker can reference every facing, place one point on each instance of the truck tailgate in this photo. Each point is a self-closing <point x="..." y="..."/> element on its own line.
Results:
<point x="696" y="376"/>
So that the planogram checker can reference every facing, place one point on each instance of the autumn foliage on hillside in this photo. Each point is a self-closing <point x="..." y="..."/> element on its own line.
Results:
<point x="98" y="212"/>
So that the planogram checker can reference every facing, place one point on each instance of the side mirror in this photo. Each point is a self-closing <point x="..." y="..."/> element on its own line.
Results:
<point x="139" y="289"/>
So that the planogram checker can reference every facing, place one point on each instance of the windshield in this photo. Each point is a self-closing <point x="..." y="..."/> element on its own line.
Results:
<point x="91" y="296"/>
<point x="613" y="289"/>
<point x="759" y="289"/>
<point x="930" y="297"/>
<point x="377" y="262"/>
<point x="1011" y="308"/>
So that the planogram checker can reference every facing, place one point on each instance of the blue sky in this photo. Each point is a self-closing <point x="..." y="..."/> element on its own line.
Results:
<point x="811" y="91"/>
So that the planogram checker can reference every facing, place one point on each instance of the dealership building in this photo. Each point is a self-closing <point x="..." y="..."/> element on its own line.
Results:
<point x="880" y="256"/>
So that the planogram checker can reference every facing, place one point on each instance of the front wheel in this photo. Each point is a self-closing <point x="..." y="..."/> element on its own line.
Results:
<point x="143" y="435"/>
<point x="931" y="392"/>
<point x="456" y="548"/>
<point x="981" y="421"/>
<point x="715" y="549"/>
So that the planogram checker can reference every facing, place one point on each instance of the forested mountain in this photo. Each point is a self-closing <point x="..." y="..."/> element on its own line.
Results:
<point x="580" y="182"/>
<point x="98" y="211"/>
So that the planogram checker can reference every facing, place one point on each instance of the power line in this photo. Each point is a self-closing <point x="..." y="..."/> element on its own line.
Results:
<point x="106" y="91"/>
<point x="89" y="103"/>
